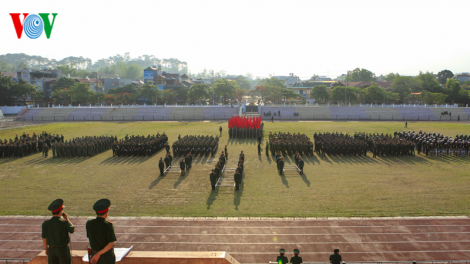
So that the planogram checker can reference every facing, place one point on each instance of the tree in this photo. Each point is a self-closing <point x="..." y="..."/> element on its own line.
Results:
<point x="149" y="91"/>
<point x="97" y="98"/>
<point x="434" y="98"/>
<point x="274" y="82"/>
<point x="6" y="90"/>
<point x="68" y="69"/>
<point x="62" y="83"/>
<point x="168" y="96"/>
<point x="123" y="98"/>
<point x="198" y="92"/>
<point x="80" y="92"/>
<point x="22" y="90"/>
<point x="182" y="94"/>
<point x="243" y="82"/>
<point x="374" y="94"/>
<point x="442" y="76"/>
<point x="404" y="85"/>
<point x="320" y="93"/>
<point x="338" y="83"/>
<point x="338" y="94"/>
<point x="429" y="82"/>
<point x="62" y="95"/>
<point x="6" y="67"/>
<point x="453" y="90"/>
<point x="110" y="99"/>
<point x="391" y="77"/>
<point x="225" y="88"/>
<point x="360" y="75"/>
<point x="289" y="93"/>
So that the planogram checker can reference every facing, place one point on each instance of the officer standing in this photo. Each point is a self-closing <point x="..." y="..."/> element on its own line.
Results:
<point x="281" y="259"/>
<point x="101" y="234"/>
<point x="296" y="259"/>
<point x="238" y="178"/>
<point x="301" y="165"/>
<point x="167" y="161"/>
<point x="281" y="166"/>
<point x="267" y="147"/>
<point x="182" y="166"/>
<point x="161" y="166"/>
<point x="220" y="130"/>
<point x="187" y="161"/>
<point x="213" y="179"/>
<point x="259" y="149"/>
<point x="336" y="257"/>
<point x="45" y="150"/>
<point x="55" y="234"/>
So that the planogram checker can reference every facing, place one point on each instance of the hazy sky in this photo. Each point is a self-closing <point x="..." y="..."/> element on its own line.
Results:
<point x="258" y="37"/>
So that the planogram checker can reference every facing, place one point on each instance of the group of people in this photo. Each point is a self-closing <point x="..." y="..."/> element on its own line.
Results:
<point x="335" y="258"/>
<point x="332" y="144"/>
<point x="82" y="147"/>
<point x="185" y="163"/>
<point x="139" y="145"/>
<point x="203" y="145"/>
<point x="219" y="168"/>
<point x="289" y="143"/>
<point x="100" y="234"/>
<point x="436" y="144"/>
<point x="26" y="144"/>
<point x="165" y="163"/>
<point x="270" y="114"/>
<point x="245" y="132"/>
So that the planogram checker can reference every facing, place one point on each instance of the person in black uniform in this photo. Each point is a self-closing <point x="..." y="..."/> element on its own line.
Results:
<point x="213" y="179"/>
<point x="220" y="130"/>
<point x="187" y="161"/>
<point x="267" y="148"/>
<point x="296" y="259"/>
<point x="55" y="234"/>
<point x="167" y="148"/>
<point x="259" y="149"/>
<point x="161" y="166"/>
<point x="167" y="161"/>
<point x="226" y="153"/>
<point x="101" y="235"/>
<point x="301" y="165"/>
<point x="238" y="179"/>
<point x="281" y="259"/>
<point x="336" y="257"/>
<point x="281" y="166"/>
<point x="182" y="166"/>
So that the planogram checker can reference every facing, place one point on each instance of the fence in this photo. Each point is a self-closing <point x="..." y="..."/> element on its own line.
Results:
<point x="124" y="118"/>
<point x="14" y="260"/>
<point x="134" y="106"/>
<point x="393" y="262"/>
<point x="363" y="105"/>
<point x="368" y="117"/>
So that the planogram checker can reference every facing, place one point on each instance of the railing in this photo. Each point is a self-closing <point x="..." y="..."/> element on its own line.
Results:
<point x="135" y="106"/>
<point x="14" y="260"/>
<point x="368" y="117"/>
<point x="124" y="118"/>
<point x="393" y="262"/>
<point x="362" y="105"/>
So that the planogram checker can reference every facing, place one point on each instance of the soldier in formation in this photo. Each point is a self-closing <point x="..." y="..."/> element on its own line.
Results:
<point x="246" y="132"/>
<point x="203" y="145"/>
<point x="25" y="145"/>
<point x="213" y="179"/>
<point x="333" y="144"/>
<point x="288" y="143"/>
<point x="182" y="166"/>
<point x="82" y="147"/>
<point x="140" y="145"/>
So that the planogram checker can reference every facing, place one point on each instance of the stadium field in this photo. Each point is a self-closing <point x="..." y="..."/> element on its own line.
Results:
<point x="331" y="186"/>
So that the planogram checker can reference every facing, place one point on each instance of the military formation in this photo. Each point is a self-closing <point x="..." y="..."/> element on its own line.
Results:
<point x="436" y="144"/>
<point x="26" y="144"/>
<point x="333" y="144"/>
<point x="139" y="145"/>
<point x="203" y="145"/>
<point x="246" y="132"/>
<point x="82" y="147"/>
<point x="219" y="169"/>
<point x="288" y="143"/>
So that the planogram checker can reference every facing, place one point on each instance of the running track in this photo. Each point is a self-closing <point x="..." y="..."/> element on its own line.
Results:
<point x="258" y="241"/>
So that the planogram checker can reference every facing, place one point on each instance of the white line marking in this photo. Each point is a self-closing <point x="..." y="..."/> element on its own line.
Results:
<point x="245" y="227"/>
<point x="218" y="234"/>
<point x="255" y="243"/>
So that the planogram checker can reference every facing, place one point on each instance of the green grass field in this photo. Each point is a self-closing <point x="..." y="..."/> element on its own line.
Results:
<point x="331" y="186"/>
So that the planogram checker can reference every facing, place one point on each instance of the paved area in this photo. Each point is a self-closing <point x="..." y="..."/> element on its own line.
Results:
<point x="258" y="241"/>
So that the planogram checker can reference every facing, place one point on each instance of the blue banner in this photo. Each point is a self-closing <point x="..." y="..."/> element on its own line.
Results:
<point x="160" y="87"/>
<point x="148" y="75"/>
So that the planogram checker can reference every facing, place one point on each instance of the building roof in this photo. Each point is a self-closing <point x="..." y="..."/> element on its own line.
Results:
<point x="45" y="72"/>
<point x="9" y="74"/>
<point x="184" y="76"/>
<point x="150" y="69"/>
<point x="160" y="77"/>
<point x="174" y="75"/>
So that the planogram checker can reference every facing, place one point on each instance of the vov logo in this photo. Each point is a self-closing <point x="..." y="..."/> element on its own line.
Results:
<point x="33" y="24"/>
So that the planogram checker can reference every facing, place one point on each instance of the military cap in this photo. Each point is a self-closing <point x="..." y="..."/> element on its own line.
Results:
<point x="282" y="250"/>
<point x="297" y="251"/>
<point x="56" y="205"/>
<point x="102" y="206"/>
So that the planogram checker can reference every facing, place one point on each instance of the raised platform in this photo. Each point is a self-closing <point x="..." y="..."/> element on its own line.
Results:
<point x="150" y="257"/>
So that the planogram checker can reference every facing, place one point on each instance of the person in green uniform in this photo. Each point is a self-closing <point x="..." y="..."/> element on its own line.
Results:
<point x="182" y="166"/>
<point x="296" y="259"/>
<point x="55" y="234"/>
<point x="167" y="161"/>
<point x="281" y="259"/>
<point x="336" y="257"/>
<point x="161" y="166"/>
<point x="101" y="235"/>
<point x="213" y="179"/>
<point x="281" y="166"/>
<point x="238" y="179"/>
<point x="301" y="165"/>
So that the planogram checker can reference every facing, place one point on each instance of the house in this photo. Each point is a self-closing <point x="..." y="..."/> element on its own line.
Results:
<point x="462" y="77"/>
<point x="288" y="80"/>
<point x="385" y="85"/>
<point x="115" y="83"/>
<point x="304" y="87"/>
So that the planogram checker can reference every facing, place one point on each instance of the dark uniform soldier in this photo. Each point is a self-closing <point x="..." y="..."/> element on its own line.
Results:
<point x="45" y="150"/>
<point x="167" y="161"/>
<point x="187" y="160"/>
<point x="213" y="179"/>
<point x="101" y="235"/>
<point x="267" y="147"/>
<point x="55" y="234"/>
<point x="238" y="179"/>
<point x="182" y="166"/>
<point x="301" y="165"/>
<point x="296" y="259"/>
<point x="220" y="130"/>
<point x="336" y="257"/>
<point x="161" y="166"/>
<point x="259" y="149"/>
<point x="281" y="166"/>
<point x="282" y="259"/>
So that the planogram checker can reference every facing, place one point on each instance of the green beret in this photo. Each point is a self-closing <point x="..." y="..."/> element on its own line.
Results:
<point x="102" y="206"/>
<point x="56" y="205"/>
<point x="296" y="251"/>
<point x="282" y="250"/>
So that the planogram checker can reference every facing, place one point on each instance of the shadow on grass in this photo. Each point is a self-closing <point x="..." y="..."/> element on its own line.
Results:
<point x="155" y="182"/>
<point x="239" y="193"/>
<point x="284" y="179"/>
<point x="242" y="141"/>
<point x="123" y="160"/>
<point x="212" y="197"/>
<point x="55" y="161"/>
<point x="305" y="179"/>
<point x="182" y="178"/>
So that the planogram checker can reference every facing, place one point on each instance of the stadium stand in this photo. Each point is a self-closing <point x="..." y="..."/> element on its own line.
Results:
<point x="322" y="112"/>
<point x="187" y="113"/>
<point x="348" y="112"/>
<point x="416" y="113"/>
<point x="86" y="114"/>
<point x="286" y="112"/>
<point x="220" y="112"/>
<point x="382" y="113"/>
<point x="153" y="113"/>
<point x="462" y="112"/>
